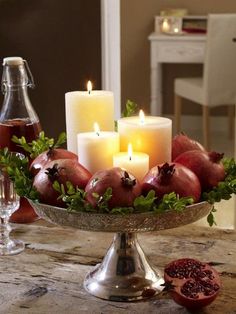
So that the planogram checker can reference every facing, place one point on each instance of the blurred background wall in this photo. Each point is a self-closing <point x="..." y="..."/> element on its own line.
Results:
<point x="137" y="22"/>
<point x="61" y="42"/>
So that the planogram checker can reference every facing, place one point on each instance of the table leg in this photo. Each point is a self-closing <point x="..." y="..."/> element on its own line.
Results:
<point x="156" y="90"/>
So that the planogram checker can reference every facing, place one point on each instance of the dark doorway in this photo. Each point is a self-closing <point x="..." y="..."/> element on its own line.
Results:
<point x="61" y="41"/>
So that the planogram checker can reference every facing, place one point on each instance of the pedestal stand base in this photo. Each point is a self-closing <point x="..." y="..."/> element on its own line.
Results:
<point x="12" y="247"/>
<point x="124" y="274"/>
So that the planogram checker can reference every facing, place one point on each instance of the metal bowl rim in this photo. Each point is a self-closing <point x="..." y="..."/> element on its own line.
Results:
<point x="148" y="213"/>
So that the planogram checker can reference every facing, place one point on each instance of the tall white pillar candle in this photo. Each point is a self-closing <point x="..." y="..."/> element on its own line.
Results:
<point x="83" y="108"/>
<point x="151" y="135"/>
<point x="96" y="149"/>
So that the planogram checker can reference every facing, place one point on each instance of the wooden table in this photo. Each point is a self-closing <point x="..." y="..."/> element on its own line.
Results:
<point x="48" y="276"/>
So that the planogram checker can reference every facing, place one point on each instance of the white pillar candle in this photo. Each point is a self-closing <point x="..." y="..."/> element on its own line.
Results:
<point x="96" y="149"/>
<point x="150" y="135"/>
<point x="135" y="163"/>
<point x="83" y="108"/>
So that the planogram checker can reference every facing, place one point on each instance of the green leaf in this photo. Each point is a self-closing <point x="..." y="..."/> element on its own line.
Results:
<point x="145" y="203"/>
<point x="61" y="140"/>
<point x="70" y="188"/>
<point x="21" y="142"/>
<point x="40" y="145"/>
<point x="63" y="191"/>
<point x="173" y="201"/>
<point x="73" y="197"/>
<point x="56" y="186"/>
<point x="95" y="195"/>
<point x="210" y="218"/>
<point x="116" y="126"/>
<point x="229" y="166"/>
<point x="130" y="108"/>
<point x="102" y="200"/>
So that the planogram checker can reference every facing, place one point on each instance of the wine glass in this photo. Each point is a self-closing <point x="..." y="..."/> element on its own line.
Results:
<point x="9" y="203"/>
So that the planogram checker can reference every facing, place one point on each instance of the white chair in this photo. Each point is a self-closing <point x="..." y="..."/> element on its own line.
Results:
<point x="218" y="84"/>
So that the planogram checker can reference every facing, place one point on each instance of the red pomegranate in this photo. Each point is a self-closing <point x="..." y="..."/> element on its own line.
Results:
<point x="125" y="187"/>
<point x="173" y="177"/>
<point x="191" y="283"/>
<point x="206" y="165"/>
<point x="182" y="143"/>
<point x="62" y="170"/>
<point x="52" y="154"/>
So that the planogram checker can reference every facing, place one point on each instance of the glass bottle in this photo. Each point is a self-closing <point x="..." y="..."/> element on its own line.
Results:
<point x="18" y="117"/>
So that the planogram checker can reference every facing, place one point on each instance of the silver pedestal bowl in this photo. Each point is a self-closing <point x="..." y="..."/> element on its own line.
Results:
<point x="124" y="274"/>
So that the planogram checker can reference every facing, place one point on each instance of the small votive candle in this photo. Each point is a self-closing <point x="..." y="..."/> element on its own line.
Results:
<point x="134" y="162"/>
<point x="165" y="26"/>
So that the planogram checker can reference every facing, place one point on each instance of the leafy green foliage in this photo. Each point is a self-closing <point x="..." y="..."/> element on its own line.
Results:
<point x="230" y="167"/>
<point x="17" y="167"/>
<point x="75" y="200"/>
<point x="130" y="108"/>
<point x="102" y="200"/>
<point x="73" y="197"/>
<point x="224" y="190"/>
<point x="145" y="203"/>
<point x="40" y="145"/>
<point x="174" y="202"/>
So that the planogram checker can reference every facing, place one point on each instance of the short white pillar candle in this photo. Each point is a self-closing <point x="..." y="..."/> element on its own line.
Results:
<point x="96" y="149"/>
<point x="151" y="135"/>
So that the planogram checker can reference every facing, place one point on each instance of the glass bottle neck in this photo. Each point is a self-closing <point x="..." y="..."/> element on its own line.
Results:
<point x="16" y="103"/>
<point x="14" y="77"/>
<point x="16" y="94"/>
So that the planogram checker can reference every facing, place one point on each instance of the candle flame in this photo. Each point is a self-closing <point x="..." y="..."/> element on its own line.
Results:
<point x="96" y="128"/>
<point x="130" y="151"/>
<point x="89" y="86"/>
<point x="165" y="25"/>
<point x="141" y="117"/>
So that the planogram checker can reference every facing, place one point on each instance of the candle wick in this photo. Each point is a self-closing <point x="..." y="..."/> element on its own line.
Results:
<point x="97" y="133"/>
<point x="130" y="158"/>
<point x="89" y="92"/>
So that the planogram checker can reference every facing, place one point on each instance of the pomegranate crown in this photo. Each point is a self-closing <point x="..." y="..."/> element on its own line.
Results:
<point x="165" y="172"/>
<point x="216" y="157"/>
<point x="53" y="172"/>
<point x="127" y="181"/>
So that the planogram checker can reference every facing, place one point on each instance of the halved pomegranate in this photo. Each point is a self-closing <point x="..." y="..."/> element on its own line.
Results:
<point x="191" y="283"/>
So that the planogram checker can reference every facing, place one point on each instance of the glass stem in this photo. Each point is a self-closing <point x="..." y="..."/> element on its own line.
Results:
<point x="5" y="230"/>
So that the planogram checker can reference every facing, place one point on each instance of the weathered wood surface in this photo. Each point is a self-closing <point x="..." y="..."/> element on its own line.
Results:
<point x="48" y="276"/>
